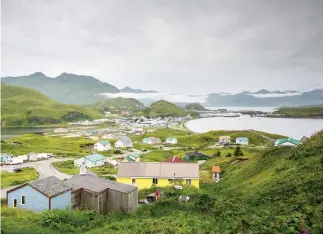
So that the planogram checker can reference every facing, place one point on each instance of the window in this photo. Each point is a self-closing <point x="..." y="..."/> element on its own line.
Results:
<point x="188" y="181"/>
<point x="170" y="180"/>
<point x="133" y="181"/>
<point x="14" y="203"/>
<point x="23" y="200"/>
<point x="155" y="181"/>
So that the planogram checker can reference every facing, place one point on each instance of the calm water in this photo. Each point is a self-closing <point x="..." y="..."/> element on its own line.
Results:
<point x="292" y="127"/>
<point x="261" y="109"/>
<point x="7" y="133"/>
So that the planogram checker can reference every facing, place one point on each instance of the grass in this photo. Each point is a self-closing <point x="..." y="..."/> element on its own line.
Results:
<point x="117" y="103"/>
<point x="68" y="167"/>
<point x="162" y="108"/>
<point x="71" y="147"/>
<point x="22" y="106"/>
<point x="301" y="112"/>
<point x="11" y="179"/>
<point x="278" y="190"/>
<point x="158" y="155"/>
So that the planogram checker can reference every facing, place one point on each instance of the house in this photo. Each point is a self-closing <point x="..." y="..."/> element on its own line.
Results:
<point x="61" y="130"/>
<point x="216" y="173"/>
<point x="23" y="157"/>
<point x="171" y="140"/>
<point x="224" y="140"/>
<point x="175" y="159"/>
<point x="112" y="162"/>
<point x="123" y="142"/>
<point x="32" y="157"/>
<point x="287" y="142"/>
<point x="90" y="192"/>
<point x="15" y="160"/>
<point x="5" y="158"/>
<point x="102" y="145"/>
<point x="242" y="140"/>
<point x="161" y="174"/>
<point x="133" y="157"/>
<point x="43" y="194"/>
<point x="304" y="139"/>
<point x="195" y="156"/>
<point x="92" y="160"/>
<point x="151" y="140"/>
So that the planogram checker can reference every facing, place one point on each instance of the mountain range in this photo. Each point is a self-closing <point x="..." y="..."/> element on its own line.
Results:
<point x="79" y="89"/>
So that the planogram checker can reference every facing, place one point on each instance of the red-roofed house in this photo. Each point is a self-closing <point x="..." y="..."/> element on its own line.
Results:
<point x="175" y="159"/>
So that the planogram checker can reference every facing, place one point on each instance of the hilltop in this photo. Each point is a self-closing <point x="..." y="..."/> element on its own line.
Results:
<point x="301" y="112"/>
<point x="137" y="91"/>
<point x="195" y="106"/>
<point x="65" y="88"/>
<point x="119" y="103"/>
<point x="27" y="107"/>
<point x="162" y="108"/>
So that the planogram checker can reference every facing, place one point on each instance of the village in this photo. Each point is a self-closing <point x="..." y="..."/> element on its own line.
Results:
<point x="130" y="141"/>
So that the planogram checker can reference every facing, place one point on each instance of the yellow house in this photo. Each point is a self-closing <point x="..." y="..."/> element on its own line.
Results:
<point x="147" y="174"/>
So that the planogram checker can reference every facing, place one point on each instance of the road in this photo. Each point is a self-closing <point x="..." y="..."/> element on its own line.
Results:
<point x="44" y="169"/>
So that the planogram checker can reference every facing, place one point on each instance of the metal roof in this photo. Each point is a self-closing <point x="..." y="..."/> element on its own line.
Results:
<point x="94" y="157"/>
<point x="104" y="142"/>
<point x="158" y="170"/>
<point x="50" y="186"/>
<point x="97" y="184"/>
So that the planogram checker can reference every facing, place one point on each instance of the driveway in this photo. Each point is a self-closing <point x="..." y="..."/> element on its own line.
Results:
<point x="44" y="169"/>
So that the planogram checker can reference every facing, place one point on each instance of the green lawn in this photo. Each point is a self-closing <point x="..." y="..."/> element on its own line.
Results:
<point x="11" y="179"/>
<point x="68" y="167"/>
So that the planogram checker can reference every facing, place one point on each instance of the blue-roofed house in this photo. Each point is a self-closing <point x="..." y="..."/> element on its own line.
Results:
<point x="102" y="145"/>
<point x="171" y="140"/>
<point x="5" y="158"/>
<point x="92" y="160"/>
<point x="242" y="140"/>
<point x="151" y="140"/>
<point x="44" y="194"/>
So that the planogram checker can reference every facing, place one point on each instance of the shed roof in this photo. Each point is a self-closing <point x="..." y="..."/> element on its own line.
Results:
<point x="97" y="184"/>
<point x="94" y="157"/>
<point x="158" y="170"/>
<point x="50" y="186"/>
<point x="216" y="169"/>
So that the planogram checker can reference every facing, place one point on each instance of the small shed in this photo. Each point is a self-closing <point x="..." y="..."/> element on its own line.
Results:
<point x="216" y="173"/>
<point x="43" y="194"/>
<point x="195" y="156"/>
<point x="101" y="195"/>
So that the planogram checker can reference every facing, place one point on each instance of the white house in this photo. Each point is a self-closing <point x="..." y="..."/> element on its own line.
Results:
<point x="15" y="160"/>
<point x="23" y="157"/>
<point x="242" y="140"/>
<point x="61" y="130"/>
<point x="123" y="142"/>
<point x="102" y="145"/>
<point x="93" y="160"/>
<point x="171" y="140"/>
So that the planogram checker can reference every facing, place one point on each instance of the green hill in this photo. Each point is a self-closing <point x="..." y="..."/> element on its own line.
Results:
<point x="195" y="106"/>
<point x="301" y="112"/>
<point x="26" y="107"/>
<point x="66" y="88"/>
<point x="119" y="103"/>
<point x="162" y="108"/>
<point x="278" y="190"/>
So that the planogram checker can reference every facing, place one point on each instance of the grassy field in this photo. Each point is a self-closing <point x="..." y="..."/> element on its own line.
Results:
<point x="10" y="179"/>
<point x="22" y="106"/>
<point x="278" y="191"/>
<point x="69" y="168"/>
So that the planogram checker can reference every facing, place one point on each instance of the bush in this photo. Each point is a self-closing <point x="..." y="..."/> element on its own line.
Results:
<point x="238" y="152"/>
<point x="204" y="203"/>
<point x="117" y="151"/>
<point x="228" y="155"/>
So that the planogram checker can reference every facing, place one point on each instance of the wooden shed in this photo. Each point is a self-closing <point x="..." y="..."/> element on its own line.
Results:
<point x="90" y="192"/>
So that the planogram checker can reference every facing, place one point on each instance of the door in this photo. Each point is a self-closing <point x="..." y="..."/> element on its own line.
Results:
<point x="14" y="203"/>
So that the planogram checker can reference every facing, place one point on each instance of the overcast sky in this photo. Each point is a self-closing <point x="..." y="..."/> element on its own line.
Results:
<point x="185" y="47"/>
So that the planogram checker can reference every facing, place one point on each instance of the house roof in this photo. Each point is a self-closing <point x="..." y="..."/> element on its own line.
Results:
<point x="290" y="140"/>
<point x="194" y="154"/>
<point x="97" y="184"/>
<point x="158" y="170"/>
<point x="216" y="169"/>
<point x="104" y="142"/>
<point x="125" y="140"/>
<point x="224" y="137"/>
<point x="50" y="186"/>
<point x="174" y="159"/>
<point x="171" y="138"/>
<point x="242" y="138"/>
<point x="94" y="157"/>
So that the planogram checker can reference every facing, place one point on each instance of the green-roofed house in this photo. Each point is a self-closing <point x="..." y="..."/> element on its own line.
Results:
<point x="133" y="157"/>
<point x="287" y="142"/>
<point x="171" y="140"/>
<point x="102" y="145"/>
<point x="92" y="160"/>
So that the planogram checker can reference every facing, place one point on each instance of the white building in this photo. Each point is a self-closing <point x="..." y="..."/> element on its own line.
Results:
<point x="61" y="130"/>
<point x="123" y="142"/>
<point x="102" y="145"/>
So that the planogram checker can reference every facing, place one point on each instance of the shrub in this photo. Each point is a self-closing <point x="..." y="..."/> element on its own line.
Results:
<point x="117" y="151"/>
<point x="204" y="202"/>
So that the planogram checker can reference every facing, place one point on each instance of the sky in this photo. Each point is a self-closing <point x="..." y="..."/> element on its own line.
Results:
<point x="172" y="46"/>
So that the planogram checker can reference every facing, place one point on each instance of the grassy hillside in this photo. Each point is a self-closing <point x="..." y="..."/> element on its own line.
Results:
<point x="162" y="108"/>
<point x="301" y="112"/>
<point x="26" y="107"/>
<point x="66" y="88"/>
<point x="195" y="106"/>
<point x="276" y="191"/>
<point x="119" y="103"/>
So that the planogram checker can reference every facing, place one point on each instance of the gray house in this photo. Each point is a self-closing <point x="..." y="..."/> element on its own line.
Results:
<point x="94" y="193"/>
<point x="44" y="194"/>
